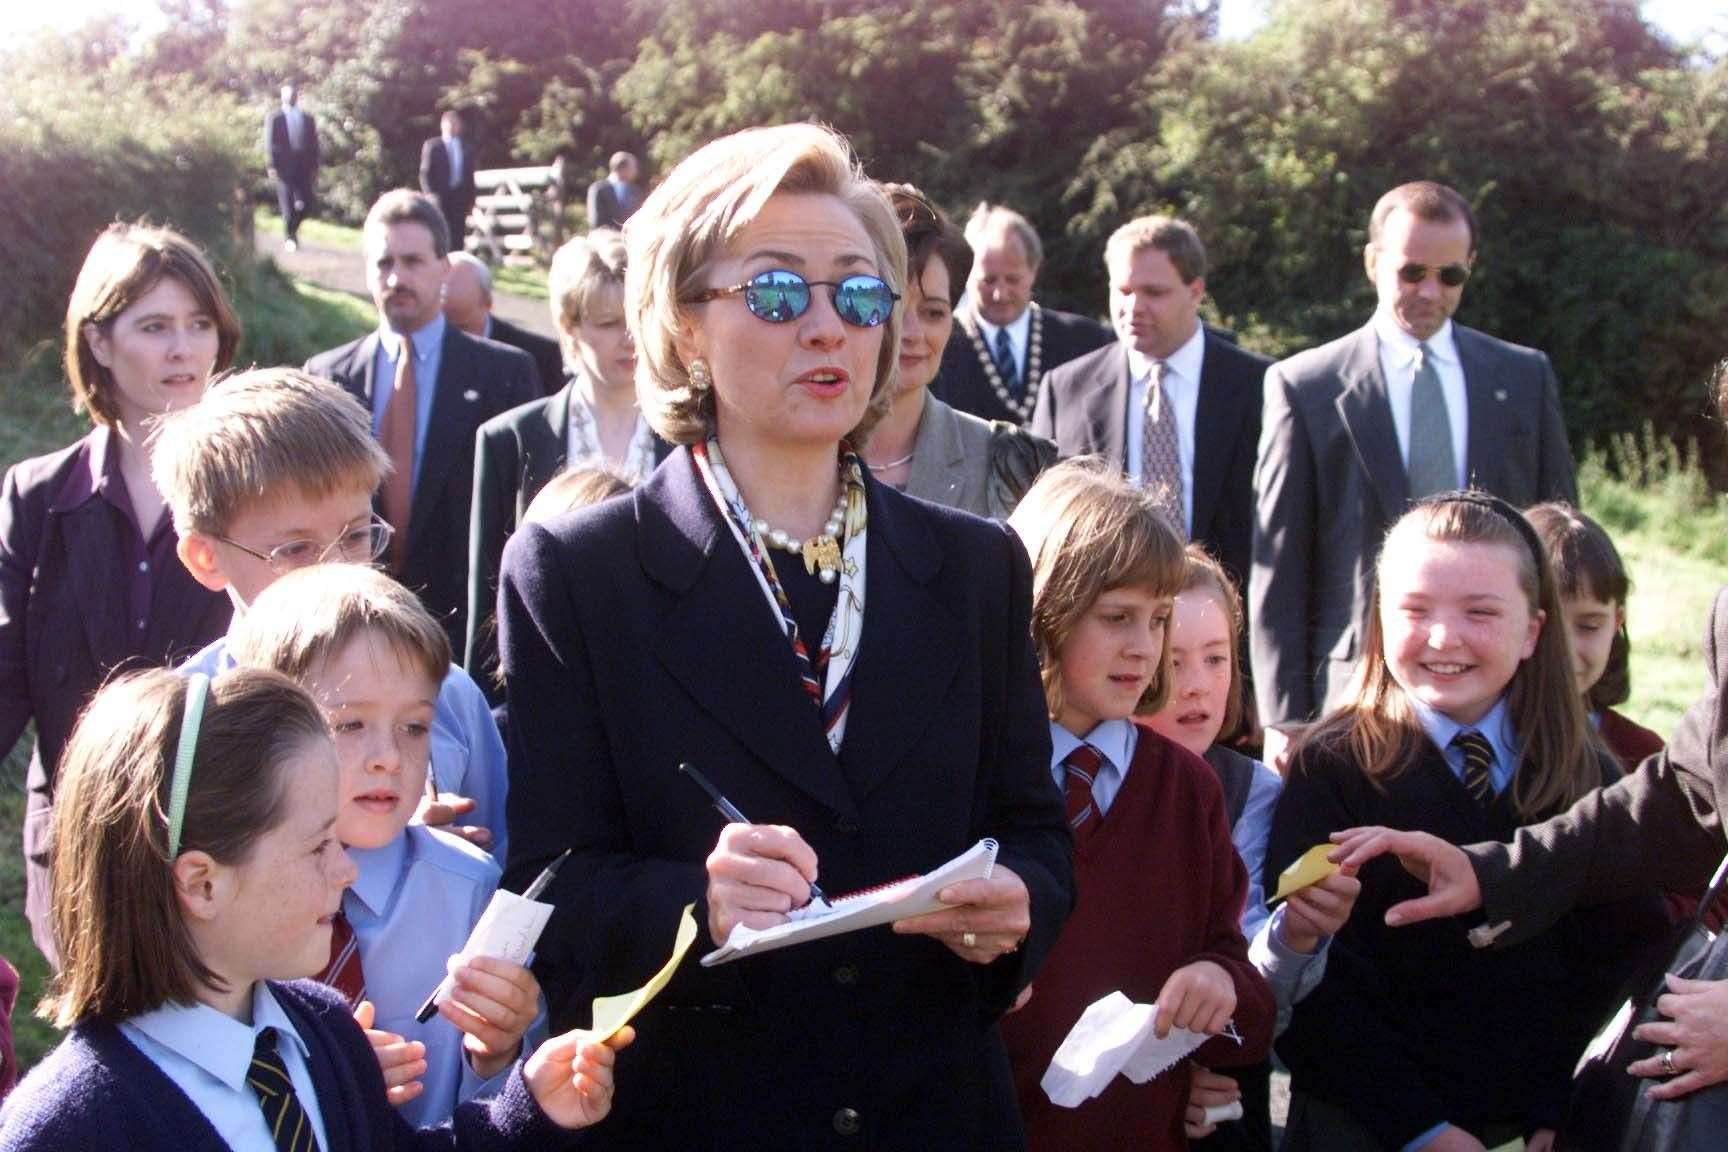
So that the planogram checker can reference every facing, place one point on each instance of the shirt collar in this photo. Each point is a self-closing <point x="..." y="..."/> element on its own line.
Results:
<point x="379" y="869"/>
<point x="1442" y="729"/>
<point x="1185" y="362"/>
<point x="425" y="340"/>
<point x="1019" y="331"/>
<point x="215" y="1041"/>
<point x="1404" y="346"/>
<point x="1110" y="738"/>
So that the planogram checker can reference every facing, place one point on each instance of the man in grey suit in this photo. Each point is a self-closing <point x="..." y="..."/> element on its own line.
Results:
<point x="1168" y="381"/>
<point x="1407" y="405"/>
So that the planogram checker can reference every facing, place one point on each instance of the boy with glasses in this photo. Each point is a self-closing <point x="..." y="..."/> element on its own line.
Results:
<point x="278" y="472"/>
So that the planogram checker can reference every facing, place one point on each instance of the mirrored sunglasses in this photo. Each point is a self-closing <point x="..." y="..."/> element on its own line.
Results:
<point x="780" y="297"/>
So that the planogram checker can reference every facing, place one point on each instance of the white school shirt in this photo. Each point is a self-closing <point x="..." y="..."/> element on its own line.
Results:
<point x="1399" y="352"/>
<point x="207" y="1053"/>
<point x="1182" y="391"/>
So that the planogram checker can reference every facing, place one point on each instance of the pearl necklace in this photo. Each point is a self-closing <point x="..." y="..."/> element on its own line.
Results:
<point x="1022" y="408"/>
<point x="822" y="551"/>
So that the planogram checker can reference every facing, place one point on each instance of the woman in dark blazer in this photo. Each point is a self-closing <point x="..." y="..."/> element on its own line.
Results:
<point x="924" y="447"/>
<point x="852" y="668"/>
<point x="89" y="579"/>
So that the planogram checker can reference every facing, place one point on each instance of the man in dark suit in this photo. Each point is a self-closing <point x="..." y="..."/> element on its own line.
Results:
<point x="447" y="175"/>
<point x="612" y="200"/>
<point x="291" y="154"/>
<point x="468" y="305"/>
<point x="429" y="387"/>
<point x="1003" y="341"/>
<point x="1172" y="403"/>
<point x="1407" y="405"/>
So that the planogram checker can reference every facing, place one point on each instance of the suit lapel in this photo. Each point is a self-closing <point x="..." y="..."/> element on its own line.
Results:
<point x="1217" y="413"/>
<point x="1367" y="415"/>
<point x="450" y="422"/>
<point x="1105" y="412"/>
<point x="911" y="648"/>
<point x="1485" y="440"/>
<point x="545" y="445"/>
<point x="938" y="453"/>
<point x="722" y="642"/>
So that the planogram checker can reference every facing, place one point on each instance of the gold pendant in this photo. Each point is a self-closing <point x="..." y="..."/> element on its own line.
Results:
<point x="821" y="552"/>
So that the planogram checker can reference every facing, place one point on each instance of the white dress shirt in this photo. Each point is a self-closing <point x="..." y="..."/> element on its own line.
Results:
<point x="1182" y="391"/>
<point x="207" y="1054"/>
<point x="1399" y="352"/>
<point x="1019" y="335"/>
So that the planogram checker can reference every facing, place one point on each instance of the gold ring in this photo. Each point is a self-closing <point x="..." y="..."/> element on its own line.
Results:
<point x="969" y="939"/>
<point x="1668" y="1068"/>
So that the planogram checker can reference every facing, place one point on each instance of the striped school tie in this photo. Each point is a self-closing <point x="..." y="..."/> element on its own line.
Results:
<point x="268" y="1077"/>
<point x="343" y="973"/>
<point x="1080" y="769"/>
<point x="1478" y="765"/>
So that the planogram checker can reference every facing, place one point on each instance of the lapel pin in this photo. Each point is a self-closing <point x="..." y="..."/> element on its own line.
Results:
<point x="1500" y="395"/>
<point x="472" y="395"/>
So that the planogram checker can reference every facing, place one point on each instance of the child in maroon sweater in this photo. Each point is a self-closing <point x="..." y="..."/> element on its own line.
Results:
<point x="1161" y="887"/>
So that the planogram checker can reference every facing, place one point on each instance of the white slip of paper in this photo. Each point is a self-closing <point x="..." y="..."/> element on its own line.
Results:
<point x="912" y="896"/>
<point x="507" y="930"/>
<point x="1114" y="1035"/>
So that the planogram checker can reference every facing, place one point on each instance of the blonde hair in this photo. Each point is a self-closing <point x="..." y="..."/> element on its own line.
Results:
<point x="575" y="488"/>
<point x="124" y="947"/>
<point x="1088" y="532"/>
<point x="125" y="263"/>
<point x="311" y="614"/>
<point x="687" y="223"/>
<point x="581" y="270"/>
<point x="1201" y="572"/>
<point x="258" y="435"/>
<point x="1559" y="755"/>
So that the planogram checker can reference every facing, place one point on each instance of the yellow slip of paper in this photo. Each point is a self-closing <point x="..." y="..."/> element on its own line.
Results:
<point x="1308" y="870"/>
<point x="613" y="1012"/>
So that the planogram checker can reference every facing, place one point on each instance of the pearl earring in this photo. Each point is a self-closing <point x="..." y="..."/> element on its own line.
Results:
<point x="700" y="378"/>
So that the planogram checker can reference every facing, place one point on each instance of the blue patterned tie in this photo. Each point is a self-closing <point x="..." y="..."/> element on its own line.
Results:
<point x="268" y="1076"/>
<point x="1005" y="365"/>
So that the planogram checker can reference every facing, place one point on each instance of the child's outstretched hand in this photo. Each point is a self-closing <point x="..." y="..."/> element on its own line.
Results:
<point x="1320" y="910"/>
<point x="441" y="813"/>
<point x="493" y="1002"/>
<point x="572" y="1079"/>
<point x="1199" y="997"/>
<point x="403" y="1061"/>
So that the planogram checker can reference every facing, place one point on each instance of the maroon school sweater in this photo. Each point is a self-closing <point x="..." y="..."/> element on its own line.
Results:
<point x="1160" y="887"/>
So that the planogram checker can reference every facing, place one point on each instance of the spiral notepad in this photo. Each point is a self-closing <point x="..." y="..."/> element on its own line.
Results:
<point x="913" y="896"/>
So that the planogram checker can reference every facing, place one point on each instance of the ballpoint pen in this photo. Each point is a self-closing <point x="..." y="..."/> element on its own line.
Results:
<point x="547" y="875"/>
<point x="730" y="810"/>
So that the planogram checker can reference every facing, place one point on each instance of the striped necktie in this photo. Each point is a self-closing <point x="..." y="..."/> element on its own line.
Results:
<point x="343" y="973"/>
<point x="1478" y="766"/>
<point x="268" y="1077"/>
<point x="1005" y="365"/>
<point x="1080" y="769"/>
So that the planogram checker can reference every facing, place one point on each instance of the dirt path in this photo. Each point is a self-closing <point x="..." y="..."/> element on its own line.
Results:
<point x="341" y="270"/>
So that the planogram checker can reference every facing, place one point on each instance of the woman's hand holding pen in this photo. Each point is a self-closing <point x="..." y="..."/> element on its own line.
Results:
<point x="493" y="1002"/>
<point x="986" y="920"/>
<point x="403" y="1061"/>
<point x="756" y="874"/>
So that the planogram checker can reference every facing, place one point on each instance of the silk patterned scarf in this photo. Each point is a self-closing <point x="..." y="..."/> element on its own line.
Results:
<point x="828" y="678"/>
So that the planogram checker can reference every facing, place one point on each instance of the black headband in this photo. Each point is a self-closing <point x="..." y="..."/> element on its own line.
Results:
<point x="1477" y="498"/>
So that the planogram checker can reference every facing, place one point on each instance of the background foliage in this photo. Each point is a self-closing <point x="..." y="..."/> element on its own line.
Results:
<point x="1595" y="151"/>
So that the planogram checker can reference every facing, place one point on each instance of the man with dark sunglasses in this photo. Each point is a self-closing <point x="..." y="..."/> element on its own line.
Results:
<point x="1407" y="405"/>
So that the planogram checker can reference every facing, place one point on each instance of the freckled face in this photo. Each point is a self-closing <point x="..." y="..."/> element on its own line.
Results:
<point x="1200" y="665"/>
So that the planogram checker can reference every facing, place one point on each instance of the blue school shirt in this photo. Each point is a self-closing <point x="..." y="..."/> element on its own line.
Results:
<point x="411" y="908"/>
<point x="207" y="1053"/>
<point x="1496" y="726"/>
<point x="467" y="752"/>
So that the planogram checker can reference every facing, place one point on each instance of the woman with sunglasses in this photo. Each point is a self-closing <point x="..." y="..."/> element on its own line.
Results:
<point x="89" y="580"/>
<point x="924" y="447"/>
<point x="851" y="668"/>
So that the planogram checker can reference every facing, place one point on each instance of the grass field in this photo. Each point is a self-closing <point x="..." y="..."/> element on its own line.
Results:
<point x="1674" y="537"/>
